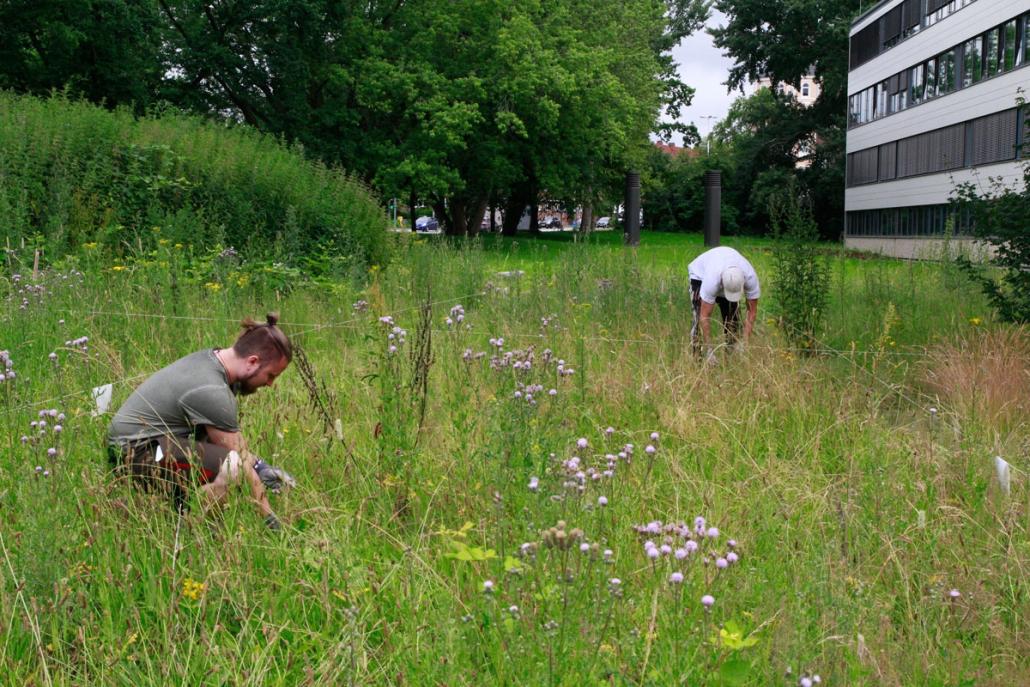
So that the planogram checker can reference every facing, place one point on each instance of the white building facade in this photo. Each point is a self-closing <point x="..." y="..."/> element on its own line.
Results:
<point x="935" y="90"/>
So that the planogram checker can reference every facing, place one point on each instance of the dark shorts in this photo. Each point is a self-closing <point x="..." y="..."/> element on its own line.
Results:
<point x="730" y="311"/>
<point x="182" y="462"/>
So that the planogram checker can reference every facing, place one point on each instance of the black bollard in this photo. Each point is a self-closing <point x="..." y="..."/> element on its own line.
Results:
<point x="713" y="203"/>
<point x="631" y="210"/>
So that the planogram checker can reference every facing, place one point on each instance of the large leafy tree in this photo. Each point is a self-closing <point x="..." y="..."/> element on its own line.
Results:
<point x="783" y="41"/>
<point x="105" y="50"/>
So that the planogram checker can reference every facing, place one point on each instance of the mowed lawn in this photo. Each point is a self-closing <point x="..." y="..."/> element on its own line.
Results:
<point x="547" y="490"/>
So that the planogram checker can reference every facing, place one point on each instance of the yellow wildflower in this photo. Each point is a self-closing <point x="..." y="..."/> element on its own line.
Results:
<point x="90" y="246"/>
<point x="193" y="589"/>
<point x="119" y="268"/>
<point x="213" y="286"/>
<point x="163" y="242"/>
<point x="179" y="246"/>
<point x="975" y="321"/>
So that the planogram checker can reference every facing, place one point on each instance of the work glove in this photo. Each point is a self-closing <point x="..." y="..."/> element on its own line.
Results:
<point x="273" y="522"/>
<point x="710" y="359"/>
<point x="275" y="479"/>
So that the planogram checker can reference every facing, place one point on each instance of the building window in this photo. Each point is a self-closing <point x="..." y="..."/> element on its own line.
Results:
<point x="991" y="48"/>
<point x="973" y="65"/>
<point x="931" y="79"/>
<point x="946" y="72"/>
<point x="1008" y="46"/>
<point x="1026" y="39"/>
<point x="804" y="88"/>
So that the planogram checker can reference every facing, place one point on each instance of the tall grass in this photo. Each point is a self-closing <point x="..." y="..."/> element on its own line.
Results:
<point x="73" y="174"/>
<point x="855" y="511"/>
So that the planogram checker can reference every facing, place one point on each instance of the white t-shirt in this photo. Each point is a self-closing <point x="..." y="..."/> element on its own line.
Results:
<point x="709" y="266"/>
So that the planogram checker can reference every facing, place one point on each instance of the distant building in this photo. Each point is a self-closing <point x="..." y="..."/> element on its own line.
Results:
<point x="806" y="95"/>
<point x="673" y="150"/>
<point x="933" y="101"/>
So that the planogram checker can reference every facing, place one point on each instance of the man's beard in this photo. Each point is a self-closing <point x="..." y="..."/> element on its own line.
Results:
<point x="243" y="387"/>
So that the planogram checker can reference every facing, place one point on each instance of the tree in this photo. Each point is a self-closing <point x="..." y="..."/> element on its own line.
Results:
<point x="104" y="50"/>
<point x="783" y="42"/>
<point x="1000" y="216"/>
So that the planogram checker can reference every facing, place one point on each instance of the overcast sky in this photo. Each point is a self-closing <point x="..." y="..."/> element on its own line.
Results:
<point x="703" y="67"/>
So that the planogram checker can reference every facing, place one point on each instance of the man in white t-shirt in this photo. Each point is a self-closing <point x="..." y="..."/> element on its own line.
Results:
<point x="722" y="276"/>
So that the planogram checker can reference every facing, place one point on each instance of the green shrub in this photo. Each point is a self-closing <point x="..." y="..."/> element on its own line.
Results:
<point x="801" y="276"/>
<point x="74" y="174"/>
<point x="1001" y="218"/>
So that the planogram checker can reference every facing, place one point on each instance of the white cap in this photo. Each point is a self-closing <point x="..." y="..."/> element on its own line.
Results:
<point x="732" y="284"/>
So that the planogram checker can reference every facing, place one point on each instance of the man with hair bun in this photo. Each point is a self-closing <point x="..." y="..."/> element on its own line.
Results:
<point x="181" y="426"/>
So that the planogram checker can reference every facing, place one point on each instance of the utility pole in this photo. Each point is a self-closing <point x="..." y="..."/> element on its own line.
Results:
<point x="708" y="139"/>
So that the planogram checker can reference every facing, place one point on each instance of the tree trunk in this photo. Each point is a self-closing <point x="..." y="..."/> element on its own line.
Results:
<point x="512" y="215"/>
<point x="534" y="216"/>
<point x="478" y="207"/>
<point x="493" y="216"/>
<point x="586" y="225"/>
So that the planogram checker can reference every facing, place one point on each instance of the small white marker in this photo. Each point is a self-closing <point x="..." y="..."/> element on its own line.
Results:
<point x="102" y="397"/>
<point x="158" y="454"/>
<point x="1004" y="475"/>
<point x="338" y="425"/>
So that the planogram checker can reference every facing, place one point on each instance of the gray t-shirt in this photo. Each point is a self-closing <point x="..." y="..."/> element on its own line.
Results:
<point x="191" y="391"/>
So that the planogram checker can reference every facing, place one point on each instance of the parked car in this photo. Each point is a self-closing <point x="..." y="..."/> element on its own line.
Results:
<point x="427" y="225"/>
<point x="551" y="223"/>
<point x="603" y="223"/>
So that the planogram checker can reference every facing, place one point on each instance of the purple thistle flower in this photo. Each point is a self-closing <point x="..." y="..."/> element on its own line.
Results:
<point x="653" y="553"/>
<point x="602" y="501"/>
<point x="488" y="586"/>
<point x="552" y="392"/>
<point x="24" y="439"/>
<point x="584" y="548"/>
<point x="681" y="554"/>
<point x="805" y="682"/>
<point x="731" y="557"/>
<point x="57" y="429"/>
<point x="39" y="469"/>
<point x="712" y="533"/>
<point x="609" y="431"/>
<point x="581" y="443"/>
<point x="534" y="484"/>
<point x="608" y="553"/>
<point x="649" y="450"/>
<point x="46" y="473"/>
<point x="732" y="543"/>
<point x="51" y="452"/>
<point x="676" y="577"/>
<point x="654" y="436"/>
<point x="954" y="594"/>
<point x="690" y="546"/>
<point x="707" y="601"/>
<point x="665" y="549"/>
<point x="721" y="563"/>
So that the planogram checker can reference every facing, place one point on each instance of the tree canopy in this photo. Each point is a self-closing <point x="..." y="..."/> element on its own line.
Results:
<point x="469" y="102"/>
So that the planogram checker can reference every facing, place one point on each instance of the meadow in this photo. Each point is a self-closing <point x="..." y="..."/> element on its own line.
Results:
<point x="511" y="471"/>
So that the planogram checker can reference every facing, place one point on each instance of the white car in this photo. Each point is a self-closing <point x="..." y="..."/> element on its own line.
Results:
<point x="603" y="223"/>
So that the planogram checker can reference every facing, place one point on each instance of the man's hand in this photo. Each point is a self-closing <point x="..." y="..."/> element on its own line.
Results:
<point x="275" y="479"/>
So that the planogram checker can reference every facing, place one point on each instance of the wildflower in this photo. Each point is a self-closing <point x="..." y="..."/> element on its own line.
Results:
<point x="665" y="549"/>
<point x="732" y="543"/>
<point x="654" y="436"/>
<point x="731" y="557"/>
<point x="721" y="563"/>
<point x="602" y="501"/>
<point x="699" y="524"/>
<point x="707" y="601"/>
<point x="552" y="392"/>
<point x="816" y="679"/>
<point x="712" y="533"/>
<point x="391" y="349"/>
<point x="584" y="548"/>
<point x="488" y="586"/>
<point x="193" y="589"/>
<point x="24" y="439"/>
<point x="805" y="682"/>
<point x="680" y="553"/>
<point x="39" y="469"/>
<point x="57" y="429"/>
<point x="581" y="443"/>
<point x="514" y="610"/>
<point x="954" y="594"/>
<point x="690" y="546"/>
<point x="649" y="450"/>
<point x="53" y="356"/>
<point x="608" y="554"/>
<point x="609" y="431"/>
<point x="975" y="321"/>
<point x="676" y="577"/>
<point x="46" y="473"/>
<point x="534" y="483"/>
<point x="51" y="452"/>
<point x="614" y="582"/>
<point x="653" y="553"/>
